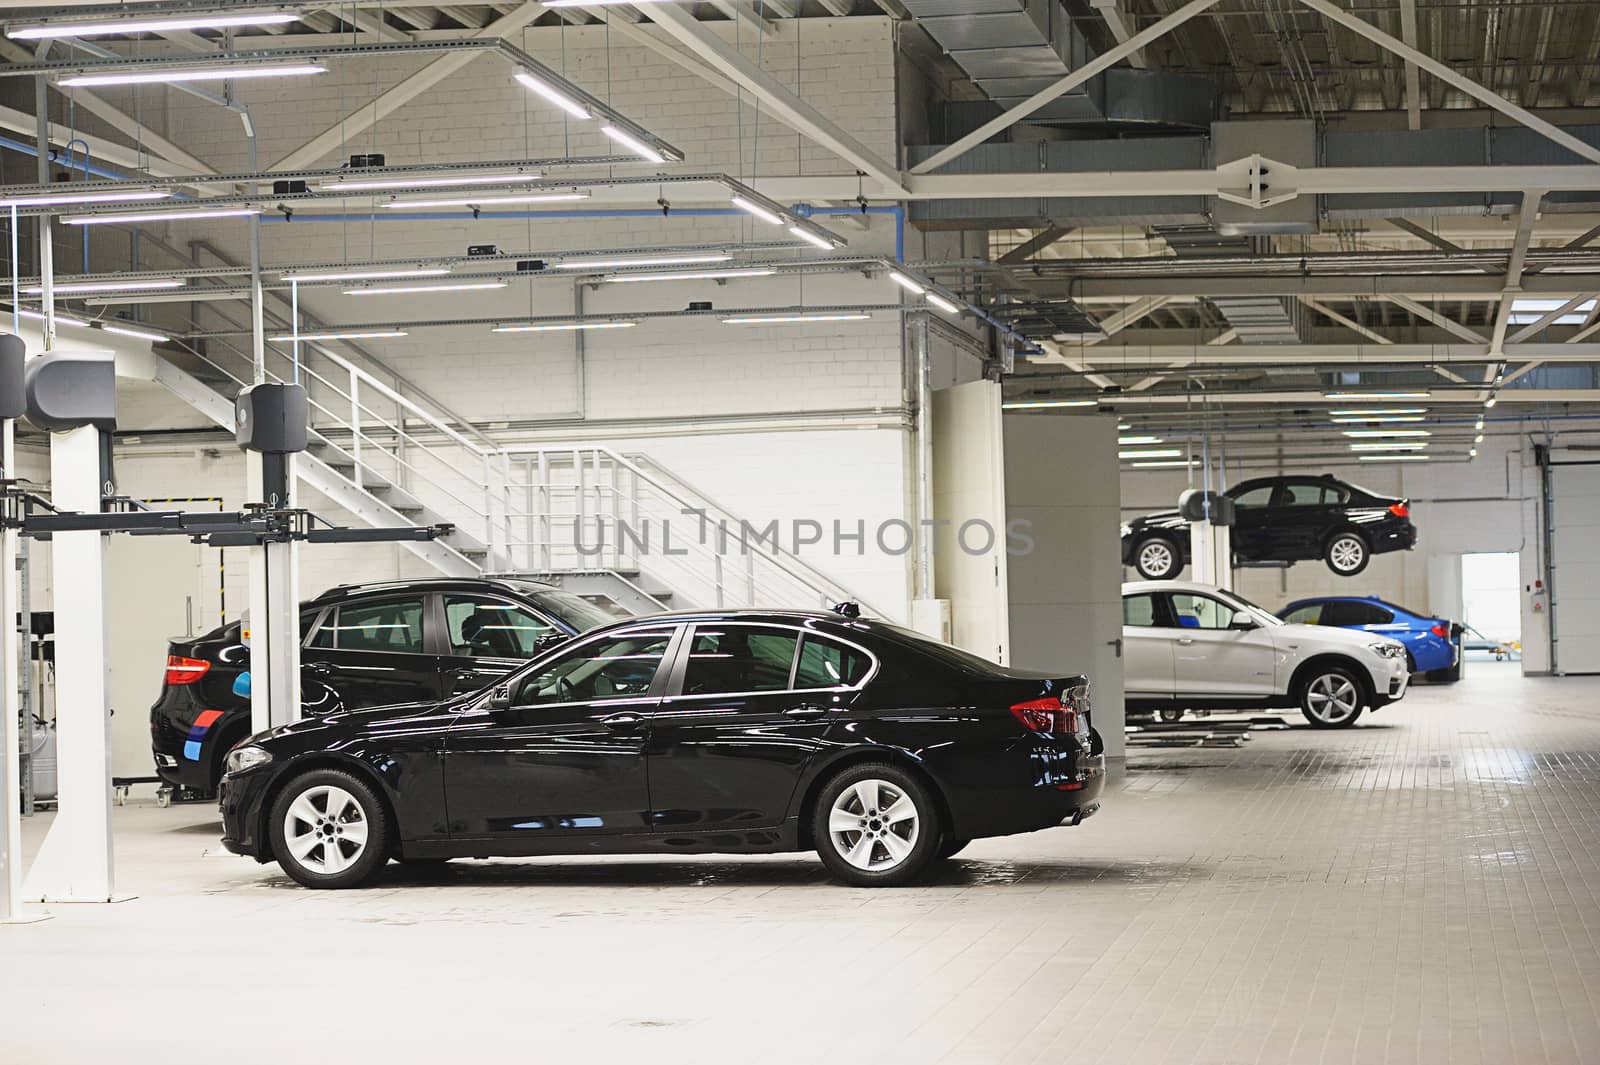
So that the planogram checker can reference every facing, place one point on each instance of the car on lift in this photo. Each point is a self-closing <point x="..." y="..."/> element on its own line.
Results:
<point x="746" y="731"/>
<point x="1282" y="519"/>
<point x="361" y="645"/>
<point x="1189" y="646"/>
<point x="1433" y="645"/>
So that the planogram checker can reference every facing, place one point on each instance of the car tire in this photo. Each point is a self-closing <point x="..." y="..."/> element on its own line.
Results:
<point x="314" y="834"/>
<point x="1347" y="553"/>
<point x="859" y="845"/>
<point x="951" y="847"/>
<point x="1331" y="697"/>
<point x="1158" y="558"/>
<point x="1171" y="717"/>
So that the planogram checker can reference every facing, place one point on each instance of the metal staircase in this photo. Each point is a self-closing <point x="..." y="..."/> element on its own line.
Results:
<point x="587" y="518"/>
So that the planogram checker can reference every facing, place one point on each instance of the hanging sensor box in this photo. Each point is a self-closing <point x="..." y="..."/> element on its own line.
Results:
<point x="1194" y="504"/>
<point x="70" y="389"/>
<point x="271" y="418"/>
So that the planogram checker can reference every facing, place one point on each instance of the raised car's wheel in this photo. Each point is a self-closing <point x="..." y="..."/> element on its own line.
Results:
<point x="1171" y="716"/>
<point x="1158" y="559"/>
<point x="1332" y="697"/>
<point x="950" y="847"/>
<point x="329" y="829"/>
<point x="876" y="826"/>
<point x="1347" y="554"/>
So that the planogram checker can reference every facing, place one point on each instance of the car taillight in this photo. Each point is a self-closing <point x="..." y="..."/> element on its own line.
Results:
<point x="181" y="670"/>
<point x="1441" y="630"/>
<point x="1046" y="715"/>
<point x="1400" y="510"/>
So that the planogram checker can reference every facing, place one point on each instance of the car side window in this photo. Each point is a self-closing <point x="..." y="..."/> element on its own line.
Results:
<point x="612" y="667"/>
<point x="394" y="626"/>
<point x="1346" y="614"/>
<point x="1139" y="611"/>
<point x="1335" y="494"/>
<point x="825" y="664"/>
<point x="739" y="658"/>
<point x="1310" y="614"/>
<point x="1302" y="494"/>
<point x="481" y="627"/>
<point x="1200" y="611"/>
<point x="1259" y="496"/>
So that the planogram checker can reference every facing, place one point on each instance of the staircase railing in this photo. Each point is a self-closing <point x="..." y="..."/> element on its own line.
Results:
<point x="577" y="508"/>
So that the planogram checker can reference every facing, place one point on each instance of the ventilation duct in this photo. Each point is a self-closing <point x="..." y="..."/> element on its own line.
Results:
<point x="1258" y="319"/>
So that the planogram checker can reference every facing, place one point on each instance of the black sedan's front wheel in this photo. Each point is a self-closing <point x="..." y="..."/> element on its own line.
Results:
<point x="1158" y="559"/>
<point x="1347" y="554"/>
<point x="876" y="825"/>
<point x="329" y="829"/>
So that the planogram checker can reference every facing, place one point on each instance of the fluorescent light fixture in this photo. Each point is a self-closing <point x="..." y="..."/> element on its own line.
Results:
<point x="811" y="238"/>
<point x="1490" y="402"/>
<point x="1479" y="426"/>
<point x="1380" y="418"/>
<point x="1151" y="453"/>
<point x="61" y="319"/>
<point x="561" y="327"/>
<point x="157" y="216"/>
<point x="276" y="70"/>
<point x="370" y="334"/>
<point x="767" y="216"/>
<point x="1375" y="411"/>
<point x="1472" y="454"/>
<point x="1386" y="432"/>
<point x="445" y="286"/>
<point x="693" y="275"/>
<point x="49" y="31"/>
<point x="657" y="260"/>
<point x="69" y="288"/>
<point x="131" y="331"/>
<point x="778" y="319"/>
<point x="943" y="304"/>
<point x="1394" y="458"/>
<point x="554" y="95"/>
<point x="1139" y="440"/>
<point x="909" y="284"/>
<point x="1377" y="395"/>
<point x="487" y="201"/>
<point x="1166" y="464"/>
<point x="1042" y="404"/>
<point x="1478" y="439"/>
<point x="633" y="144"/>
<point x="1389" y="445"/>
<point x="364" y="184"/>
<point x="1123" y="425"/>
<point x="60" y="199"/>
<point x="368" y="275"/>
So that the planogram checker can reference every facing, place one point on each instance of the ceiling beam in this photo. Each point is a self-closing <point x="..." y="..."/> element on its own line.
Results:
<point x="1134" y="356"/>
<point x="1034" y="245"/>
<point x="403" y="92"/>
<point x="1408" y="34"/>
<point x="787" y="106"/>
<point x="1348" y="323"/>
<point x="1426" y="235"/>
<point x="1526" y="220"/>
<point x="740" y="11"/>
<point x="1535" y="327"/>
<point x="1118" y="321"/>
<point x="1453" y="286"/>
<point x="1438" y="318"/>
<point x="1083" y="74"/>
<point x="1117" y="22"/>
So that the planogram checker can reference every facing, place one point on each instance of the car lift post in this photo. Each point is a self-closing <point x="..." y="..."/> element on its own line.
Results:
<point x="12" y="405"/>
<point x="274" y="619"/>
<point x="1210" y="516"/>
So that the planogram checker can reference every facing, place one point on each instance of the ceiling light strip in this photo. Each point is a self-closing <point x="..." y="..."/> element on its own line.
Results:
<point x="55" y="30"/>
<point x="175" y="76"/>
<point x="561" y="327"/>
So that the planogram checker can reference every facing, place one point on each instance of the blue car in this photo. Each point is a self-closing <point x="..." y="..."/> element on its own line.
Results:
<point x="1432" y="645"/>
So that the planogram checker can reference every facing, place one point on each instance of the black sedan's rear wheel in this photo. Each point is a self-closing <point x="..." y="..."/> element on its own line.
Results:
<point x="329" y="829"/>
<point x="1158" y="559"/>
<point x="876" y="825"/>
<point x="1347" y="553"/>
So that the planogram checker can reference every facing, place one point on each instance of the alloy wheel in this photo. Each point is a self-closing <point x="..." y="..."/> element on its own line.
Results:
<point x="1333" y="698"/>
<point x="1155" y="558"/>
<point x="1347" y="553"/>
<point x="325" y="829"/>
<point x="873" y="825"/>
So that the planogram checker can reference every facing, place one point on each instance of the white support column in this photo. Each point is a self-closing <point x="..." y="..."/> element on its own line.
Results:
<point x="274" y="605"/>
<point x="12" y="910"/>
<point x="75" y="862"/>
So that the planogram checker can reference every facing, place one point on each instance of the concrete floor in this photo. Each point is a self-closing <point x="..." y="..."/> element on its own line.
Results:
<point x="1420" y="889"/>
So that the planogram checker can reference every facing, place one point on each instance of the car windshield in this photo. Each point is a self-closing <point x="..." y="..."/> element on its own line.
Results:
<point x="1261" y="614"/>
<point x="572" y="610"/>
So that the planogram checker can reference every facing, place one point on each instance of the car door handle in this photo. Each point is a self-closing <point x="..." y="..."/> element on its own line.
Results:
<point x="320" y="667"/>
<point x="1185" y="641"/>
<point x="805" y="711"/>
<point x="621" y="722"/>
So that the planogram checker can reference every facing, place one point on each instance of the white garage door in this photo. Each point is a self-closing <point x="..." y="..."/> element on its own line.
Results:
<point x="1575" y="555"/>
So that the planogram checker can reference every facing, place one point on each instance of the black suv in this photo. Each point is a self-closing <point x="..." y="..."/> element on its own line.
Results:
<point x="1282" y="519"/>
<point x="361" y="645"/>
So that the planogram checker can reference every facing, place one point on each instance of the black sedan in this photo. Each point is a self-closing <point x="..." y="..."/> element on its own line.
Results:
<point x="1282" y="519"/>
<point x="736" y="732"/>
<point x="361" y="645"/>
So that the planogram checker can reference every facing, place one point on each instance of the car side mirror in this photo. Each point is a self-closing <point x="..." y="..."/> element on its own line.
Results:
<point x="549" y="640"/>
<point x="499" y="699"/>
<point x="1241" y="623"/>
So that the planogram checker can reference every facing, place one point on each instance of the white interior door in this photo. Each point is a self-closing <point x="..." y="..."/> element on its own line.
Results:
<point x="1575" y="584"/>
<point x="969" y="496"/>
